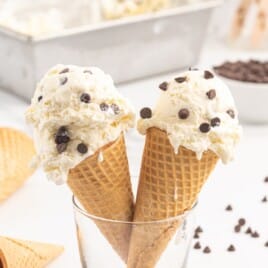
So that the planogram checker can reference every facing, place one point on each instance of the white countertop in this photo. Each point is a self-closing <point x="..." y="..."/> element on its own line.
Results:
<point x="43" y="212"/>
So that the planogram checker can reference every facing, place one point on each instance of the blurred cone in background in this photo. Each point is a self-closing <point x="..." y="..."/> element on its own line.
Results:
<point x="169" y="185"/>
<point x="16" y="253"/>
<point x="16" y="152"/>
<point x="104" y="190"/>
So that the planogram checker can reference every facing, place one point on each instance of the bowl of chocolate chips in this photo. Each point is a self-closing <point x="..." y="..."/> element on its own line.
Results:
<point x="248" y="81"/>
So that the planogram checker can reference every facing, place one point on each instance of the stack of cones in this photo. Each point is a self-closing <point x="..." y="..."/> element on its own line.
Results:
<point x="16" y="253"/>
<point x="104" y="190"/>
<point x="169" y="185"/>
<point x="16" y="152"/>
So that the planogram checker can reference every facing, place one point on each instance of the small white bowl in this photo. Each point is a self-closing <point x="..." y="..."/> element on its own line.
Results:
<point x="251" y="100"/>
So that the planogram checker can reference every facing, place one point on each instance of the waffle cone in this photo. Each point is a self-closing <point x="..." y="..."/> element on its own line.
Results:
<point x="26" y="254"/>
<point x="104" y="190"/>
<point x="17" y="150"/>
<point x="169" y="185"/>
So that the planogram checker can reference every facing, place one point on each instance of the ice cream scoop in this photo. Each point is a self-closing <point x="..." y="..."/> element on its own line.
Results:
<point x="193" y="124"/>
<point x="75" y="111"/>
<point x="197" y="111"/>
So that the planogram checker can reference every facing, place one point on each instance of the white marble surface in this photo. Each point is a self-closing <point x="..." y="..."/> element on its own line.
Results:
<point x="42" y="211"/>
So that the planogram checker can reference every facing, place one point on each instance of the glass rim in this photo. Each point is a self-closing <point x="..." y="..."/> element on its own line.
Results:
<point x="82" y="211"/>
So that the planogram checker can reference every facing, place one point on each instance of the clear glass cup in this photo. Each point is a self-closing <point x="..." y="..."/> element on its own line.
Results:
<point x="96" y="252"/>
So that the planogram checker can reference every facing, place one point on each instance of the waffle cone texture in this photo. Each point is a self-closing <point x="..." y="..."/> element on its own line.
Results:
<point x="104" y="189"/>
<point x="16" y="253"/>
<point x="16" y="152"/>
<point x="169" y="185"/>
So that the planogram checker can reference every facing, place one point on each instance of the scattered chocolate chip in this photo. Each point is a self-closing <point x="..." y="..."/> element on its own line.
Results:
<point x="208" y="75"/>
<point x="115" y="108"/>
<point x="231" y="248"/>
<point x="184" y="113"/>
<point x="237" y="228"/>
<point x="241" y="222"/>
<point x="196" y="236"/>
<point x="63" y="80"/>
<point x="229" y="208"/>
<point x="88" y="72"/>
<point x="231" y="113"/>
<point x="104" y="106"/>
<point x="61" y="147"/>
<point x="66" y="70"/>
<point x="82" y="148"/>
<point x="85" y="97"/>
<point x="211" y="94"/>
<point x="204" y="128"/>
<point x="266" y="179"/>
<point x="207" y="250"/>
<point x="215" y="122"/>
<point x="248" y="231"/>
<point x="197" y="245"/>
<point x="146" y="113"/>
<point x="266" y="244"/>
<point x="180" y="79"/>
<point x="193" y="69"/>
<point x="199" y="229"/>
<point x="163" y="86"/>
<point x="255" y="234"/>
<point x="62" y="136"/>
<point x="264" y="200"/>
<point x="40" y="98"/>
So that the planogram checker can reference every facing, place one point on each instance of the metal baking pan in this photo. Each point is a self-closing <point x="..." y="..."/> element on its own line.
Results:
<point x="128" y="49"/>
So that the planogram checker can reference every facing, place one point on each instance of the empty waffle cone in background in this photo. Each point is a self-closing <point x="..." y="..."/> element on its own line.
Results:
<point x="16" y="152"/>
<point x="169" y="185"/>
<point x="16" y="253"/>
<point x="104" y="190"/>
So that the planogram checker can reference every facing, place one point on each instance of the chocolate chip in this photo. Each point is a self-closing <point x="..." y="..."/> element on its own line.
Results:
<point x="193" y="69"/>
<point x="62" y="136"/>
<point x="215" y="122"/>
<point x="61" y="147"/>
<point x="115" y="108"/>
<point x="146" y="113"/>
<point x="196" y="236"/>
<point x="241" y="222"/>
<point x="85" y="97"/>
<point x="266" y="244"/>
<point x="255" y="234"/>
<point x="61" y="139"/>
<point x="197" y="245"/>
<point x="208" y="75"/>
<point x="266" y="179"/>
<point x="184" y="113"/>
<point x="88" y="72"/>
<point x="207" y="250"/>
<point x="63" y="80"/>
<point x="66" y="70"/>
<point x="229" y="208"/>
<point x="163" y="86"/>
<point x="204" y="128"/>
<point x="104" y="106"/>
<point x="211" y="94"/>
<point x="231" y="113"/>
<point x="180" y="79"/>
<point x="248" y="231"/>
<point x="237" y="228"/>
<point x="40" y="98"/>
<point x="248" y="71"/>
<point x="231" y="248"/>
<point x="264" y="200"/>
<point x="199" y="229"/>
<point x="82" y="148"/>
